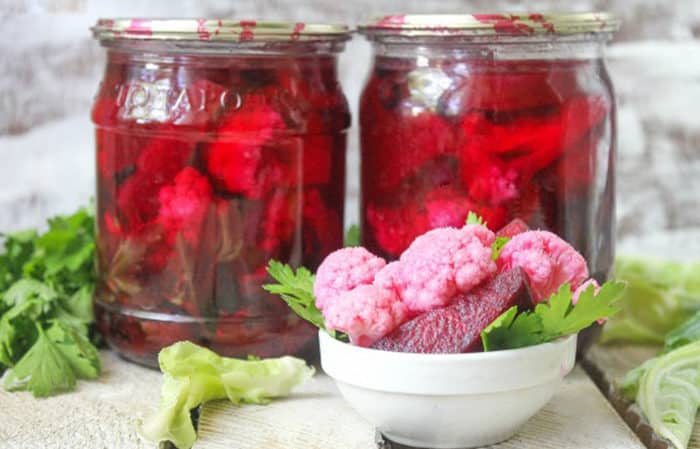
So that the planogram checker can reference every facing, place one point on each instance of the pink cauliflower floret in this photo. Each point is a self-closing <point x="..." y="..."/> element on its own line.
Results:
<point x="439" y="265"/>
<point x="342" y="271"/>
<point x="385" y="277"/>
<point x="366" y="313"/>
<point x="548" y="261"/>
<point x="184" y="204"/>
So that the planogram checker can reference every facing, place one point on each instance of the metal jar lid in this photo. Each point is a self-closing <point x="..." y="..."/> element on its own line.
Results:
<point x="525" y="24"/>
<point x="216" y="30"/>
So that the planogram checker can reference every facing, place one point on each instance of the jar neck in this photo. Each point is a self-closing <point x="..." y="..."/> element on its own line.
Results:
<point x="576" y="47"/>
<point x="226" y="48"/>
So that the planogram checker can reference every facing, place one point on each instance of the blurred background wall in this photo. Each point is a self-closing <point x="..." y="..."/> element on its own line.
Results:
<point x="50" y="68"/>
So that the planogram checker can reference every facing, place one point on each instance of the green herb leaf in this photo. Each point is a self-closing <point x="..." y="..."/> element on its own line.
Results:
<point x="43" y="370"/>
<point x="512" y="330"/>
<point x="18" y="333"/>
<point x="82" y="356"/>
<point x="41" y="295"/>
<point x="473" y="218"/>
<point x="552" y="319"/>
<point x="193" y="375"/>
<point x="560" y="317"/>
<point x="497" y="246"/>
<point x="297" y="290"/>
<point x="58" y="357"/>
<point x="46" y="286"/>
<point x="18" y="249"/>
<point x="352" y="236"/>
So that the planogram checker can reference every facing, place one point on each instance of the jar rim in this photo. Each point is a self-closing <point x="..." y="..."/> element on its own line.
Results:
<point x="510" y="24"/>
<point x="110" y="29"/>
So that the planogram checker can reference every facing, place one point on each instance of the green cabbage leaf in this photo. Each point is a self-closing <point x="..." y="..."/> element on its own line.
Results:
<point x="193" y="375"/>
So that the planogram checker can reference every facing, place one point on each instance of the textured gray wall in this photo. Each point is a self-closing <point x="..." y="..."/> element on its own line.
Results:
<point x="50" y="68"/>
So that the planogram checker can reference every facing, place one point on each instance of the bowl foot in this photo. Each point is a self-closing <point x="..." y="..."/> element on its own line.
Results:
<point x="386" y="442"/>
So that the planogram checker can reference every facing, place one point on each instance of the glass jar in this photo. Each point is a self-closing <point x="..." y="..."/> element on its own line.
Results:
<point x="220" y="145"/>
<point x="507" y="116"/>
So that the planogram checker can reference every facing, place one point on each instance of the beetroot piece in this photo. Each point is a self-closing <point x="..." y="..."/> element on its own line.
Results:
<point x="515" y="227"/>
<point x="457" y="327"/>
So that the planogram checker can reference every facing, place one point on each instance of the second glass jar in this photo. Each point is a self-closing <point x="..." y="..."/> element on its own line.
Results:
<point x="506" y="116"/>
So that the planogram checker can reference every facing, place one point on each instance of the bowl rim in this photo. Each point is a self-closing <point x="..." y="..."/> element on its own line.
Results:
<point x="475" y="356"/>
<point x="447" y="374"/>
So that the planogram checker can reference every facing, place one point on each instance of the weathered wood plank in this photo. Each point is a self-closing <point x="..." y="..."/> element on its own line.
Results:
<point x="316" y="417"/>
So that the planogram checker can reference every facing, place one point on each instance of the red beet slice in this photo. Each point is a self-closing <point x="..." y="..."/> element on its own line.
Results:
<point x="457" y="327"/>
<point x="515" y="227"/>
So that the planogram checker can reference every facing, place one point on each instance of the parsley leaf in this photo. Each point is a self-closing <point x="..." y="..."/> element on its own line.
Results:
<point x="473" y="218"/>
<point x="18" y="249"/>
<point x="58" y="357"/>
<point x="512" y="330"/>
<point x="352" y="236"/>
<point x="552" y="319"/>
<point x="297" y="290"/>
<point x="46" y="286"/>
<point x="497" y="246"/>
<point x="560" y="317"/>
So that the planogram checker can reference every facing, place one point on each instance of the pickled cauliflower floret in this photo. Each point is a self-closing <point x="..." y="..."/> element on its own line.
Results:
<point x="366" y="313"/>
<point x="184" y="204"/>
<point x="439" y="265"/>
<point x="342" y="271"/>
<point x="548" y="260"/>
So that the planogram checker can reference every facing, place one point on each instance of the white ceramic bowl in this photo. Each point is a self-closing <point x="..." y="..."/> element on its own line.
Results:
<point x="446" y="401"/>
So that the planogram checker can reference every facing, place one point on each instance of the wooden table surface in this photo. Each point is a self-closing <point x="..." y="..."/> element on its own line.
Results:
<point x="106" y="413"/>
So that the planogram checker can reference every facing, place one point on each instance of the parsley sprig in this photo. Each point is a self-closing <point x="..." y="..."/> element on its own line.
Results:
<point x="552" y="319"/>
<point x="46" y="286"/>
<point x="297" y="290"/>
<point x="498" y="244"/>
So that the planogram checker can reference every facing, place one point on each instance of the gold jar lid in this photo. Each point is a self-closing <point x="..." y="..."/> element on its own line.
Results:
<point x="525" y="24"/>
<point x="216" y="30"/>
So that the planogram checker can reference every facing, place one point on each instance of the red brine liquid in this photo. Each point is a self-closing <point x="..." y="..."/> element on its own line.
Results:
<point x="528" y="139"/>
<point x="208" y="167"/>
